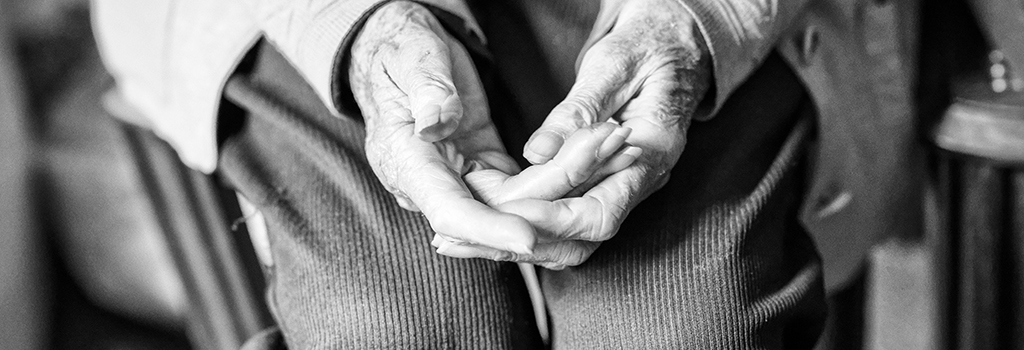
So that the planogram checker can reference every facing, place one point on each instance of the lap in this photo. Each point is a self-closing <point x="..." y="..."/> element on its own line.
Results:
<point x="715" y="259"/>
<point x="352" y="269"/>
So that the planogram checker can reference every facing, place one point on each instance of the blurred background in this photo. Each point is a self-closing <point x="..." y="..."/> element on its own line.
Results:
<point x="87" y="260"/>
<point x="82" y="262"/>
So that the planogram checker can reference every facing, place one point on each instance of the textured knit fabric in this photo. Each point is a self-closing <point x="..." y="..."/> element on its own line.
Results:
<point x="351" y="269"/>
<point x="715" y="260"/>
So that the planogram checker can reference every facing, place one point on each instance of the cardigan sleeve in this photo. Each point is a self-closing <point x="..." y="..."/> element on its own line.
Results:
<point x="171" y="58"/>
<point x="315" y="36"/>
<point x="739" y="34"/>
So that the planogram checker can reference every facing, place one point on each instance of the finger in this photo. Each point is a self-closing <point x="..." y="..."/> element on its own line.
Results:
<point x="554" y="256"/>
<point x="597" y="214"/>
<point x="586" y="149"/>
<point x="487" y="185"/>
<point x="478" y="137"/>
<point x="420" y="170"/>
<point x="422" y="68"/>
<point x="497" y="160"/>
<point x="619" y="161"/>
<point x="405" y="202"/>
<point x="606" y="80"/>
<point x="472" y="251"/>
<point x="452" y="211"/>
<point x="612" y="144"/>
<point x="659" y="116"/>
<point x="483" y="145"/>
<point x="580" y="156"/>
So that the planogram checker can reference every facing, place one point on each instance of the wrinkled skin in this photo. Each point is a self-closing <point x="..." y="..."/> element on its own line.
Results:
<point x="648" y="74"/>
<point x="589" y="154"/>
<point x="427" y="124"/>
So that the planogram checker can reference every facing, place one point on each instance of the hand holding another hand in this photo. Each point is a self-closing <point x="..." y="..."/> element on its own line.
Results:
<point x="431" y="142"/>
<point x="649" y="73"/>
<point x="427" y="123"/>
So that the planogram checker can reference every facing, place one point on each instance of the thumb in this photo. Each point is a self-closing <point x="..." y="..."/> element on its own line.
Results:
<point x="605" y="82"/>
<point x="422" y="69"/>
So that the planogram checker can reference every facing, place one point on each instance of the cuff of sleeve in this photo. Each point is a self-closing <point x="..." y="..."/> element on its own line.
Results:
<point x="318" y="50"/>
<point x="730" y="63"/>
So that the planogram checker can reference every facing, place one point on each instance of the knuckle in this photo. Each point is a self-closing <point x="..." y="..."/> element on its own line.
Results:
<point x="585" y="108"/>
<point x="615" y="57"/>
<point x="614" y="49"/>
<point x="670" y="55"/>
<point x="424" y="46"/>
<point x="660" y="176"/>
<point x="433" y="82"/>
<point x="611" y="213"/>
<point x="569" y="258"/>
<point x="666" y="115"/>
<point x="662" y="181"/>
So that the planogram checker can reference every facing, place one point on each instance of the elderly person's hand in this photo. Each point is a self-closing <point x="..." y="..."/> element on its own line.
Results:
<point x="649" y="73"/>
<point x="590" y="154"/>
<point x="427" y="123"/>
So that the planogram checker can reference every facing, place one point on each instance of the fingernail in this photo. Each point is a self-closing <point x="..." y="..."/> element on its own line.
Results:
<point x="633" y="151"/>
<point x="542" y="147"/>
<point x="457" y="251"/>
<point x="451" y="108"/>
<point x="427" y="119"/>
<point x="443" y="247"/>
<point x="613" y="142"/>
<point x="448" y="117"/>
<point x="436" y="242"/>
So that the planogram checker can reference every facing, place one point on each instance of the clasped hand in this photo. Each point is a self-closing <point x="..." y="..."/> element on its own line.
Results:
<point x="605" y="148"/>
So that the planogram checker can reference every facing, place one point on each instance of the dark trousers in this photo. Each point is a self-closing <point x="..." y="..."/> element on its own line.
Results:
<point x="716" y="259"/>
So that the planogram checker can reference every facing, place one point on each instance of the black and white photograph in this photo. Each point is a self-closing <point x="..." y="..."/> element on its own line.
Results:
<point x="511" y="174"/>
